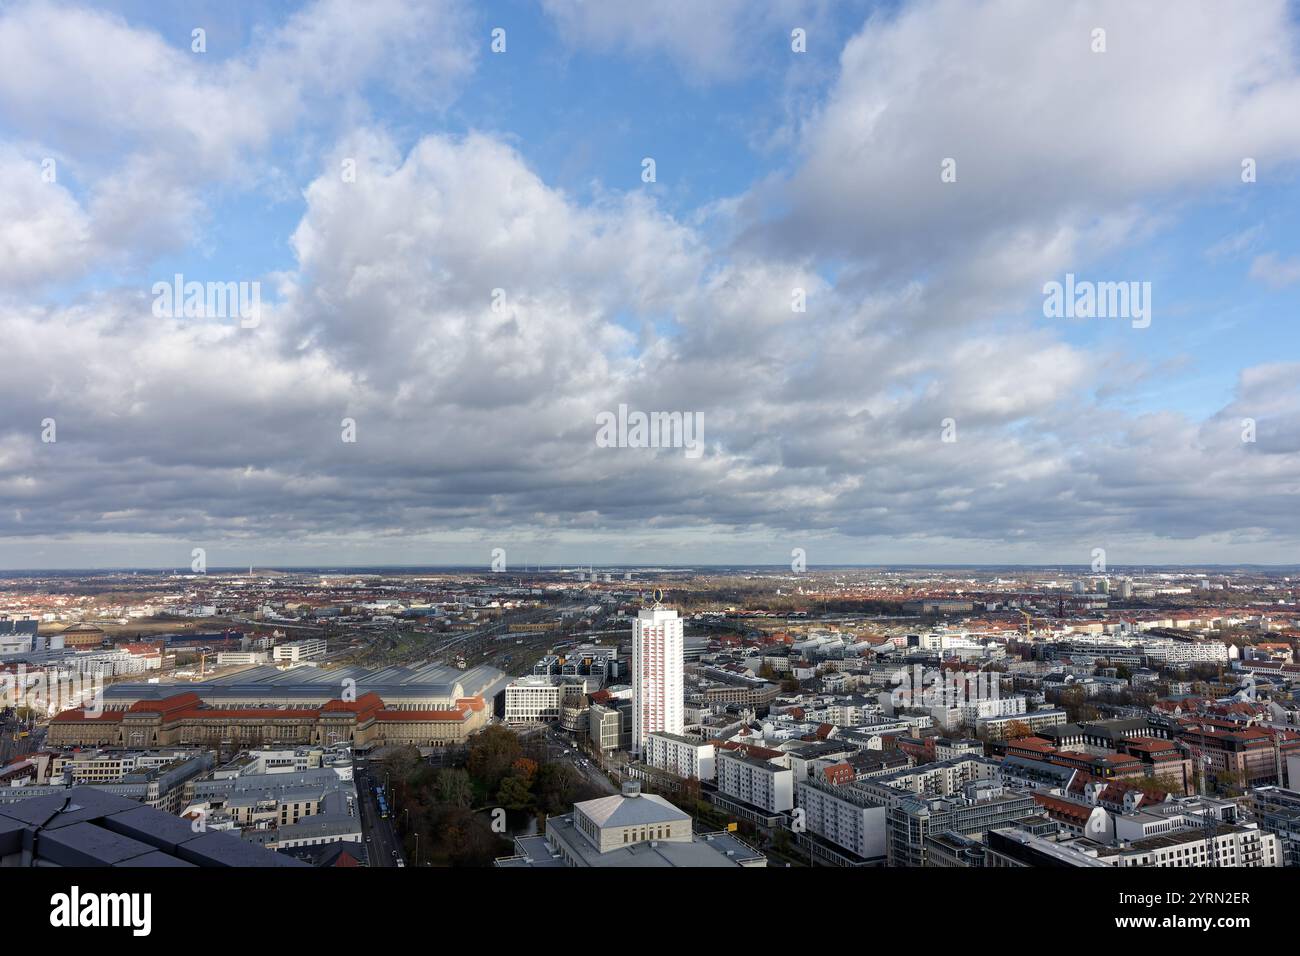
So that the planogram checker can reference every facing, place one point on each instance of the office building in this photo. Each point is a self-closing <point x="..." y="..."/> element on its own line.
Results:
<point x="536" y="699"/>
<point x="297" y="651"/>
<point x="1277" y="811"/>
<point x="610" y="725"/>
<point x="981" y="807"/>
<point x="995" y="728"/>
<point x="280" y="810"/>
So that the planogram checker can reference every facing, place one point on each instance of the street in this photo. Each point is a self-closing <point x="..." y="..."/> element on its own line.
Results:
<point x="557" y="742"/>
<point x="382" y="843"/>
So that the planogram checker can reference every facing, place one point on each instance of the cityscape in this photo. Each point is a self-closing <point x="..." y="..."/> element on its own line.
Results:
<point x="447" y="440"/>
<point x="635" y="717"/>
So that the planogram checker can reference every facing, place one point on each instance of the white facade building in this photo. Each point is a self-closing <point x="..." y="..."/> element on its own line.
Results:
<point x="998" y="707"/>
<point x="530" y="699"/>
<point x="842" y="816"/>
<point x="238" y="658"/>
<point x="657" y="704"/>
<point x="682" y="756"/>
<point x="761" y="783"/>
<point x="304" y="650"/>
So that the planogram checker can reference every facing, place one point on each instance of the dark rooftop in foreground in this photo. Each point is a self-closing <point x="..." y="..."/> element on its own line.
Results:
<point x="85" y="827"/>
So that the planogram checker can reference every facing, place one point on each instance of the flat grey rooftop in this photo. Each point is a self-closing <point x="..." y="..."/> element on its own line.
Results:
<point x="316" y="685"/>
<point x="531" y="852"/>
<point x="705" y="850"/>
<point x="85" y="827"/>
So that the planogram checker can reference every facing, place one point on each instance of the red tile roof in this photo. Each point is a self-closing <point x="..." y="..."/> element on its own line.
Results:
<point x="167" y="705"/>
<point x="1058" y="807"/>
<point x="188" y="706"/>
<point x="750" y="750"/>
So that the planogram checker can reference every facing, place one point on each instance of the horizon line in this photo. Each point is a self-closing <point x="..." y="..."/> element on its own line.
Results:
<point x="562" y="567"/>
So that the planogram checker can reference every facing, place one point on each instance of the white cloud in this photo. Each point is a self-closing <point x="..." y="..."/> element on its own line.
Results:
<point x="42" y="226"/>
<point x="1236" y="244"/>
<point x="145" y="124"/>
<point x="1048" y="136"/>
<point x="1276" y="272"/>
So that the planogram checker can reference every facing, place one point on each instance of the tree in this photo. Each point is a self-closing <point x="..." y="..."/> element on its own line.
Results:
<point x="1229" y="781"/>
<point x="1074" y="701"/>
<point x="1155" y="785"/>
<point x="781" y="841"/>
<point x="1017" y="729"/>
<point x="462" y="838"/>
<point x="514" y="794"/>
<point x="492" y="751"/>
<point x="524" y="768"/>
<point x="453" y="788"/>
<point x="689" y="794"/>
<point x="402" y="762"/>
<point x="557" y="787"/>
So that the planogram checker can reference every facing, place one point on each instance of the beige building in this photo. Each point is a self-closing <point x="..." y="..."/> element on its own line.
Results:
<point x="630" y="829"/>
<point x="182" y="719"/>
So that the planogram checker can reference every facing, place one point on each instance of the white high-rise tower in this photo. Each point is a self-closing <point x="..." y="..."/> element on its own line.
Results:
<point x="656" y="673"/>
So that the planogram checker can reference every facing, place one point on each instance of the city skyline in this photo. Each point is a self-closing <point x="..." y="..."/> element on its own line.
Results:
<point x="560" y="567"/>
<point x="878" y="719"/>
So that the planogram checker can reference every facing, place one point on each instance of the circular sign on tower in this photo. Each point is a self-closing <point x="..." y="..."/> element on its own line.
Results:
<point x="658" y="596"/>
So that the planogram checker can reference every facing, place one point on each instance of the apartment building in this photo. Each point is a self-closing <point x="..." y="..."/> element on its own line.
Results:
<point x="996" y="728"/>
<point x="760" y="782"/>
<point x="280" y="810"/>
<point x="683" y="756"/>
<point x="847" y="828"/>
<point x="940" y="778"/>
<point x="110" y="766"/>
<point x="657" y="671"/>
<point x="156" y="782"/>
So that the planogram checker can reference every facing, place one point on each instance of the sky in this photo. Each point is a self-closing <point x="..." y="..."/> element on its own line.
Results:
<point x="462" y="263"/>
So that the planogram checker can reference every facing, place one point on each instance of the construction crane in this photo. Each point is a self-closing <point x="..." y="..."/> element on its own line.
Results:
<point x="1203" y="760"/>
<point x="1029" y="624"/>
